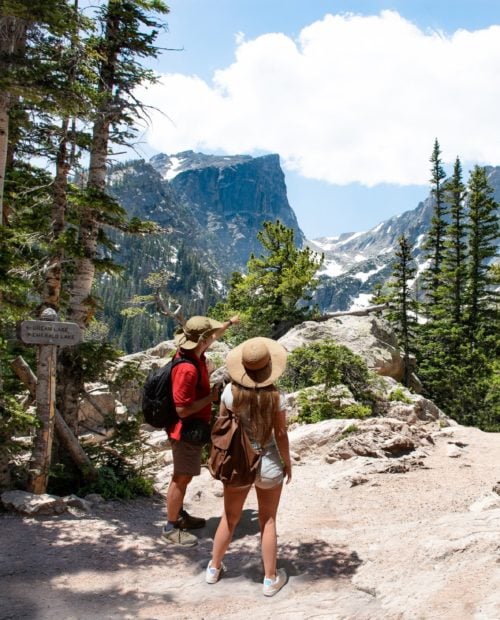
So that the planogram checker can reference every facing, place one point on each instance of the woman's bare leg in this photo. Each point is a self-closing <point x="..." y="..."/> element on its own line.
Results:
<point x="268" y="500"/>
<point x="234" y="500"/>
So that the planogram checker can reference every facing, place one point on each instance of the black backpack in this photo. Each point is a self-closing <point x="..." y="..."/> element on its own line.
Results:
<point x="158" y="408"/>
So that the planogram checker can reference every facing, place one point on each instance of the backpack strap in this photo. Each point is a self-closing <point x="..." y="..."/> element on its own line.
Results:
<point x="180" y="360"/>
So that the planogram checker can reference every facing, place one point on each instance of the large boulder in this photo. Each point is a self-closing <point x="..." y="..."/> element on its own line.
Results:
<point x="31" y="504"/>
<point x="367" y="336"/>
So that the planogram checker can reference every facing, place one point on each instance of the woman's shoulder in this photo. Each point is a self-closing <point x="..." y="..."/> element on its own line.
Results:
<point x="227" y="395"/>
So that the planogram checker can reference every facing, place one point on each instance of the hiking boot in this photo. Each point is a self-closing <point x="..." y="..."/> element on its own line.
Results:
<point x="176" y="536"/>
<point x="272" y="586"/>
<point x="212" y="575"/>
<point x="186" y="522"/>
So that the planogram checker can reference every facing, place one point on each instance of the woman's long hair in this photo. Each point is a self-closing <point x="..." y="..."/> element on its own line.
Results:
<point x="256" y="407"/>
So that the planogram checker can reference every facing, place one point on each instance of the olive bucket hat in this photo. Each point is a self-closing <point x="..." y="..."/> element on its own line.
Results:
<point x="197" y="328"/>
<point x="257" y="362"/>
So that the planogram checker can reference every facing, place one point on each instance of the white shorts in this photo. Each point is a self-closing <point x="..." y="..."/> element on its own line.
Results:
<point x="270" y="472"/>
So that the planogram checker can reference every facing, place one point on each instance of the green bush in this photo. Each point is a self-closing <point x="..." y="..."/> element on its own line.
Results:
<point x="399" y="395"/>
<point x="119" y="467"/>
<point x="14" y="421"/>
<point x="317" y="404"/>
<point x="119" y="483"/>
<point x="348" y="430"/>
<point x="328" y="363"/>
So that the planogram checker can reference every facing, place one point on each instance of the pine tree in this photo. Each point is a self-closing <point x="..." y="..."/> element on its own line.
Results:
<point x="455" y="249"/>
<point x="483" y="227"/>
<point x="479" y="391"/>
<point x="276" y="291"/>
<point x="458" y="345"/>
<point x="434" y="243"/>
<point x="402" y="303"/>
<point x="438" y="336"/>
<point x="130" y="29"/>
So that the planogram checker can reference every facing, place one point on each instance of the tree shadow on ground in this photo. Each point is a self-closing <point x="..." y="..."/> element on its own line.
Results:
<point x="310" y="560"/>
<point x="40" y="558"/>
<point x="248" y="525"/>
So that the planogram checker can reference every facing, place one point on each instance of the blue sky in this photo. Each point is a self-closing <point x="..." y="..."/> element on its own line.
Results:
<point x="350" y="94"/>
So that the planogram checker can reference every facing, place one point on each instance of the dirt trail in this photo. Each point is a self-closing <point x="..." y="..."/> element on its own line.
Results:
<point x="394" y="546"/>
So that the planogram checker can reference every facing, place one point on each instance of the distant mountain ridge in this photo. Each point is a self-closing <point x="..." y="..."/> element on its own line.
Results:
<point x="210" y="209"/>
<point x="355" y="262"/>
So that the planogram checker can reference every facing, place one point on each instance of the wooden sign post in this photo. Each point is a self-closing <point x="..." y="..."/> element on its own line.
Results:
<point x="48" y="334"/>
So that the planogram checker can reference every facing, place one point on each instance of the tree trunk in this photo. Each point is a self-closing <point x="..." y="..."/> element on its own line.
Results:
<point x="81" y="309"/>
<point x="66" y="437"/>
<point x="45" y="409"/>
<point x="51" y="292"/>
<point x="4" y="140"/>
<point x="12" y="39"/>
<point x="361" y="312"/>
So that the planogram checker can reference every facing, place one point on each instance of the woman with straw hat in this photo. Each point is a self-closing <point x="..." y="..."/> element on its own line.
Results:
<point x="254" y="366"/>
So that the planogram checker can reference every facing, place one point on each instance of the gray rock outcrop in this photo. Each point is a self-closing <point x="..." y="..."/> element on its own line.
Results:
<point x="369" y="337"/>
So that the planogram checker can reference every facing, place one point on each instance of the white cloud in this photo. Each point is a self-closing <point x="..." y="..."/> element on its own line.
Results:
<point x="353" y="99"/>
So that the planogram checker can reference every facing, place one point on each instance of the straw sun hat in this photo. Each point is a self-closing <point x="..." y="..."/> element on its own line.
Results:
<point x="196" y="328"/>
<point x="257" y="362"/>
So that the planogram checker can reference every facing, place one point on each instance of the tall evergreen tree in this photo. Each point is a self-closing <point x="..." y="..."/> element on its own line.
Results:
<point x="439" y="336"/>
<point x="402" y="303"/>
<point x="275" y="292"/>
<point x="129" y="31"/>
<point x="434" y="243"/>
<point x="483" y="226"/>
<point x="455" y="248"/>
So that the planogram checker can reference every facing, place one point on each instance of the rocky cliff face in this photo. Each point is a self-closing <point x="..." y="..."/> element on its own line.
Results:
<point x="231" y="197"/>
<point x="217" y="204"/>
<point x="209" y="209"/>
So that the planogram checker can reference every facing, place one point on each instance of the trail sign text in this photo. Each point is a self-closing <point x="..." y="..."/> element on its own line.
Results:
<point x="57" y="333"/>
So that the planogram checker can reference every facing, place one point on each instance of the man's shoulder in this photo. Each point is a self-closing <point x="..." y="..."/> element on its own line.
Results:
<point x="185" y="365"/>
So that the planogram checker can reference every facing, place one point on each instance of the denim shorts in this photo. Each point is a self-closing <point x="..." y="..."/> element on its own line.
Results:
<point x="270" y="472"/>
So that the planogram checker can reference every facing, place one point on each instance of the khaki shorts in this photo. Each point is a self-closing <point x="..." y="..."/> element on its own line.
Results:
<point x="187" y="458"/>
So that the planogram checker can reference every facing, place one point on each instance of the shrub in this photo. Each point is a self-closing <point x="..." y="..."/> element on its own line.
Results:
<point x="327" y="363"/>
<point x="119" y="466"/>
<point x="119" y="483"/>
<point x="399" y="395"/>
<point x="348" y="430"/>
<point x="317" y="404"/>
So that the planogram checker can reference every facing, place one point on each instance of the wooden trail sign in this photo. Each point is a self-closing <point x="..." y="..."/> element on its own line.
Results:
<point x="56" y="333"/>
<point x="48" y="334"/>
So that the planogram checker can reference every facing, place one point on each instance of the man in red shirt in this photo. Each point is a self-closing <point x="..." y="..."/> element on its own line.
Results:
<point x="193" y="400"/>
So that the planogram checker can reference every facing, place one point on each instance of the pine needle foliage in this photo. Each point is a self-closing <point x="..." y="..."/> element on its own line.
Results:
<point x="276" y="291"/>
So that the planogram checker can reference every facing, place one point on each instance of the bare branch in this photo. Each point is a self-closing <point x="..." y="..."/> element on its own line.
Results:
<point x="361" y="312"/>
<point x="164" y="308"/>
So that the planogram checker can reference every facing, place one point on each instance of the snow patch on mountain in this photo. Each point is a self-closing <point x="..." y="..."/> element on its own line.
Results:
<point x="363" y="300"/>
<point x="174" y="169"/>
<point x="332" y="268"/>
<point x="364" y="275"/>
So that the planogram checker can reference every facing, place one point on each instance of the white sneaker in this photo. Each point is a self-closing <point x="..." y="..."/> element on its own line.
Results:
<point x="272" y="586"/>
<point x="212" y="575"/>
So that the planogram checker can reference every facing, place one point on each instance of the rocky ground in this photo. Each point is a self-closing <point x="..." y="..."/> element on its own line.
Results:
<point x="412" y="536"/>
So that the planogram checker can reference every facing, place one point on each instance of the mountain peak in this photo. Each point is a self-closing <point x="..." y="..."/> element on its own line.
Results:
<point x="169" y="166"/>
